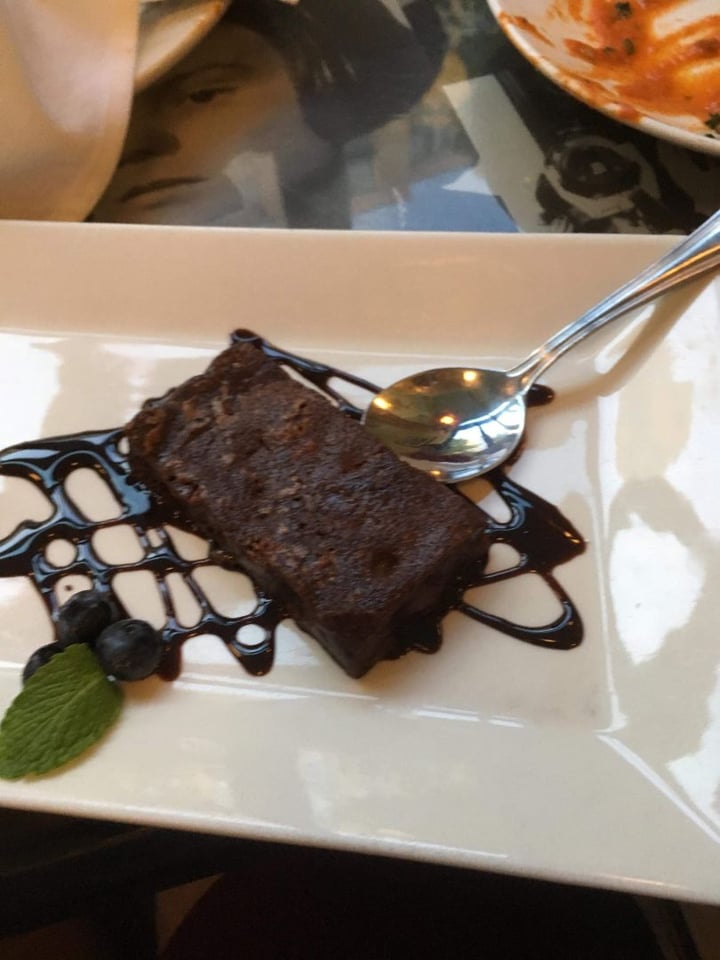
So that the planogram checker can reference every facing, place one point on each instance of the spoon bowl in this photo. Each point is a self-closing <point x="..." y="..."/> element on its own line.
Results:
<point x="447" y="420"/>
<point x="458" y="422"/>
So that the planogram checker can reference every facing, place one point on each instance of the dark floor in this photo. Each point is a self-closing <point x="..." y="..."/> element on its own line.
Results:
<point x="76" y="889"/>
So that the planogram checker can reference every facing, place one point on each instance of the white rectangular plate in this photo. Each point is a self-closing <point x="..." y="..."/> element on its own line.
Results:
<point x="600" y="765"/>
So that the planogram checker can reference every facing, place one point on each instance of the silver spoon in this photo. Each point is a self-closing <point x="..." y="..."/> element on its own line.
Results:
<point x="457" y="423"/>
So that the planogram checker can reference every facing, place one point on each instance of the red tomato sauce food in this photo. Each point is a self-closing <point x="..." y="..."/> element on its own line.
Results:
<point x="669" y="68"/>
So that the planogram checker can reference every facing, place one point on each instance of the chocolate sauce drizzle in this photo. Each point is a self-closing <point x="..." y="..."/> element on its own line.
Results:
<point x="542" y="537"/>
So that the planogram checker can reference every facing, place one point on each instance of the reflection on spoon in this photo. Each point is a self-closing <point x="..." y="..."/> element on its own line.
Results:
<point x="458" y="423"/>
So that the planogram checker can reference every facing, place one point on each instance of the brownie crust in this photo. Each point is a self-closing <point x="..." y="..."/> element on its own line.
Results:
<point x="360" y="549"/>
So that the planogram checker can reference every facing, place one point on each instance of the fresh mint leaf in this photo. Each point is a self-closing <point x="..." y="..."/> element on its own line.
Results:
<point x="64" y="708"/>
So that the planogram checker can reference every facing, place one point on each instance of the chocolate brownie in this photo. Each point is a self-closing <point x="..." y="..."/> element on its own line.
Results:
<point x="363" y="551"/>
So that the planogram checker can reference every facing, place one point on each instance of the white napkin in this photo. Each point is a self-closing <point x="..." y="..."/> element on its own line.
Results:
<point x="66" y="85"/>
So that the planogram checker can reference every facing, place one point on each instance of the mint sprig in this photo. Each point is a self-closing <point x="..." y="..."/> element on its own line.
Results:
<point x="64" y="708"/>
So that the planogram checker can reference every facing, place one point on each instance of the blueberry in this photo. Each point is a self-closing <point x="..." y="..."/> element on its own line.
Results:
<point x="83" y="618"/>
<point x="38" y="659"/>
<point x="129" y="650"/>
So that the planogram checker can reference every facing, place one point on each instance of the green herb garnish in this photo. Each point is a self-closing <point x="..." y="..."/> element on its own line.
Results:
<point x="628" y="46"/>
<point x="713" y="121"/>
<point x="64" y="708"/>
<point x="623" y="10"/>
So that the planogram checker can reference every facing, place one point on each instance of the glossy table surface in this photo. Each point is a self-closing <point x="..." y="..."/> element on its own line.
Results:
<point x="389" y="115"/>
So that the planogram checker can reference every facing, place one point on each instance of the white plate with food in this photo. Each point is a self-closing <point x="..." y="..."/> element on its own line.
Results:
<point x="653" y="66"/>
<point x="168" y="30"/>
<point x="595" y="765"/>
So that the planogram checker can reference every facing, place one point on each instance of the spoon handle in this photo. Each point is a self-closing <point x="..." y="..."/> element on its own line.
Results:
<point x="696" y="255"/>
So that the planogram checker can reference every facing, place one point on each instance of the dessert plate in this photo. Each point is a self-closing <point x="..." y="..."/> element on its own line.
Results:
<point x="168" y="30"/>
<point x="653" y="66"/>
<point x="598" y="765"/>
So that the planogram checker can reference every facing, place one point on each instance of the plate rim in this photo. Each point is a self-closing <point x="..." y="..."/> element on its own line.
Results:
<point x="148" y="70"/>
